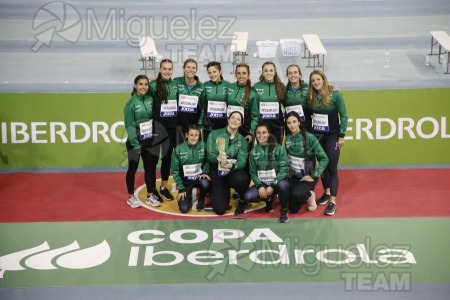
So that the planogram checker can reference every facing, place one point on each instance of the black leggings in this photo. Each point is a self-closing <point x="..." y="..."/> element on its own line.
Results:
<point x="180" y="135"/>
<point x="282" y="189"/>
<point x="300" y="191"/>
<point x="206" y="132"/>
<point x="149" y="160"/>
<point x="185" y="204"/>
<point x="168" y="142"/>
<point x="330" y="178"/>
<point x="277" y="131"/>
<point x="220" y="189"/>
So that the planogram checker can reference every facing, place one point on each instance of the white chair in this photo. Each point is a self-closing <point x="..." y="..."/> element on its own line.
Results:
<point x="148" y="54"/>
<point x="239" y="48"/>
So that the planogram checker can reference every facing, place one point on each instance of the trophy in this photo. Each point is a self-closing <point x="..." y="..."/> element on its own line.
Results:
<point x="221" y="146"/>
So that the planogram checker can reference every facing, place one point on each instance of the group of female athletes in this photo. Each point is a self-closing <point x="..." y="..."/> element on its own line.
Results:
<point x="220" y="135"/>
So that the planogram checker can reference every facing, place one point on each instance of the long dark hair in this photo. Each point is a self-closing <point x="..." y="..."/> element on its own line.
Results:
<point x="302" y="129"/>
<point x="271" y="141"/>
<point x="217" y="65"/>
<point x="248" y="85"/>
<point x="161" y="89"/>
<point x="139" y="77"/>
<point x="279" y="88"/>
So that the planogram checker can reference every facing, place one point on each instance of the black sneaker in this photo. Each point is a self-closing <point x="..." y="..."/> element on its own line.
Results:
<point x="240" y="208"/>
<point x="235" y="195"/>
<point x="331" y="209"/>
<point x="166" y="194"/>
<point x="284" y="217"/>
<point x="324" y="199"/>
<point x="269" y="206"/>
<point x="155" y="192"/>
<point x="200" y="205"/>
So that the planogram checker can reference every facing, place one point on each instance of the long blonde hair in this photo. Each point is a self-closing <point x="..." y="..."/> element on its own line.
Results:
<point x="326" y="90"/>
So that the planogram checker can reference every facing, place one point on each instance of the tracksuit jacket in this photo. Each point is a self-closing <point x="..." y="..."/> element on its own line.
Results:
<point x="169" y="121"/>
<point x="336" y="113"/>
<point x="259" y="161"/>
<point x="235" y="149"/>
<point x="267" y="93"/>
<point x="251" y="110"/>
<point x="294" y="147"/>
<point x="186" y="118"/>
<point x="138" y="109"/>
<point x="214" y="92"/>
<point x="185" y="154"/>
<point x="299" y="97"/>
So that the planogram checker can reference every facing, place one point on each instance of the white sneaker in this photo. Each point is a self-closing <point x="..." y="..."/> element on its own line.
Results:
<point x="153" y="201"/>
<point x="311" y="204"/>
<point x="133" y="202"/>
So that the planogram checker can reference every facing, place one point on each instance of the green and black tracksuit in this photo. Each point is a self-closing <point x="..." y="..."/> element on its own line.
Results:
<point x="299" y="166"/>
<point x="297" y="100"/>
<point x="188" y="163"/>
<point x="138" y="116"/>
<point x="236" y="150"/>
<point x="165" y="120"/>
<point x="295" y="149"/>
<point x="190" y="100"/>
<point x="236" y="94"/>
<point x="269" y="169"/>
<point x="329" y="123"/>
<point x="270" y="109"/>
<point x="214" y="106"/>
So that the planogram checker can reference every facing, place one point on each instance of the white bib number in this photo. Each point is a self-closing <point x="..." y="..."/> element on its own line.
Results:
<point x="267" y="176"/>
<point x="222" y="171"/>
<point x="216" y="109"/>
<point x="192" y="172"/>
<point x="146" y="130"/>
<point x="269" y="110"/>
<point x="320" y="123"/>
<point x="298" y="109"/>
<point x="188" y="104"/>
<point x="233" y="108"/>
<point x="169" y="109"/>
<point x="297" y="165"/>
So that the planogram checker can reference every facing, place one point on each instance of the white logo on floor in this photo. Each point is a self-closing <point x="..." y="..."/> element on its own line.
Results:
<point x="68" y="257"/>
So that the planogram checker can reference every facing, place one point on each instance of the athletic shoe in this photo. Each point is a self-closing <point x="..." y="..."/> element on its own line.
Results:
<point x="153" y="200"/>
<point x="158" y="196"/>
<point x="240" y="208"/>
<point x="235" y="195"/>
<point x="269" y="206"/>
<point x="166" y="194"/>
<point x="284" y="217"/>
<point x="200" y="205"/>
<point x="324" y="199"/>
<point x="331" y="209"/>
<point x="311" y="204"/>
<point x="133" y="202"/>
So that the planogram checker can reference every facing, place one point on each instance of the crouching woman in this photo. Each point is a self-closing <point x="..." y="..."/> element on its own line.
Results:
<point x="268" y="170"/>
<point x="227" y="155"/>
<point x="190" y="169"/>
